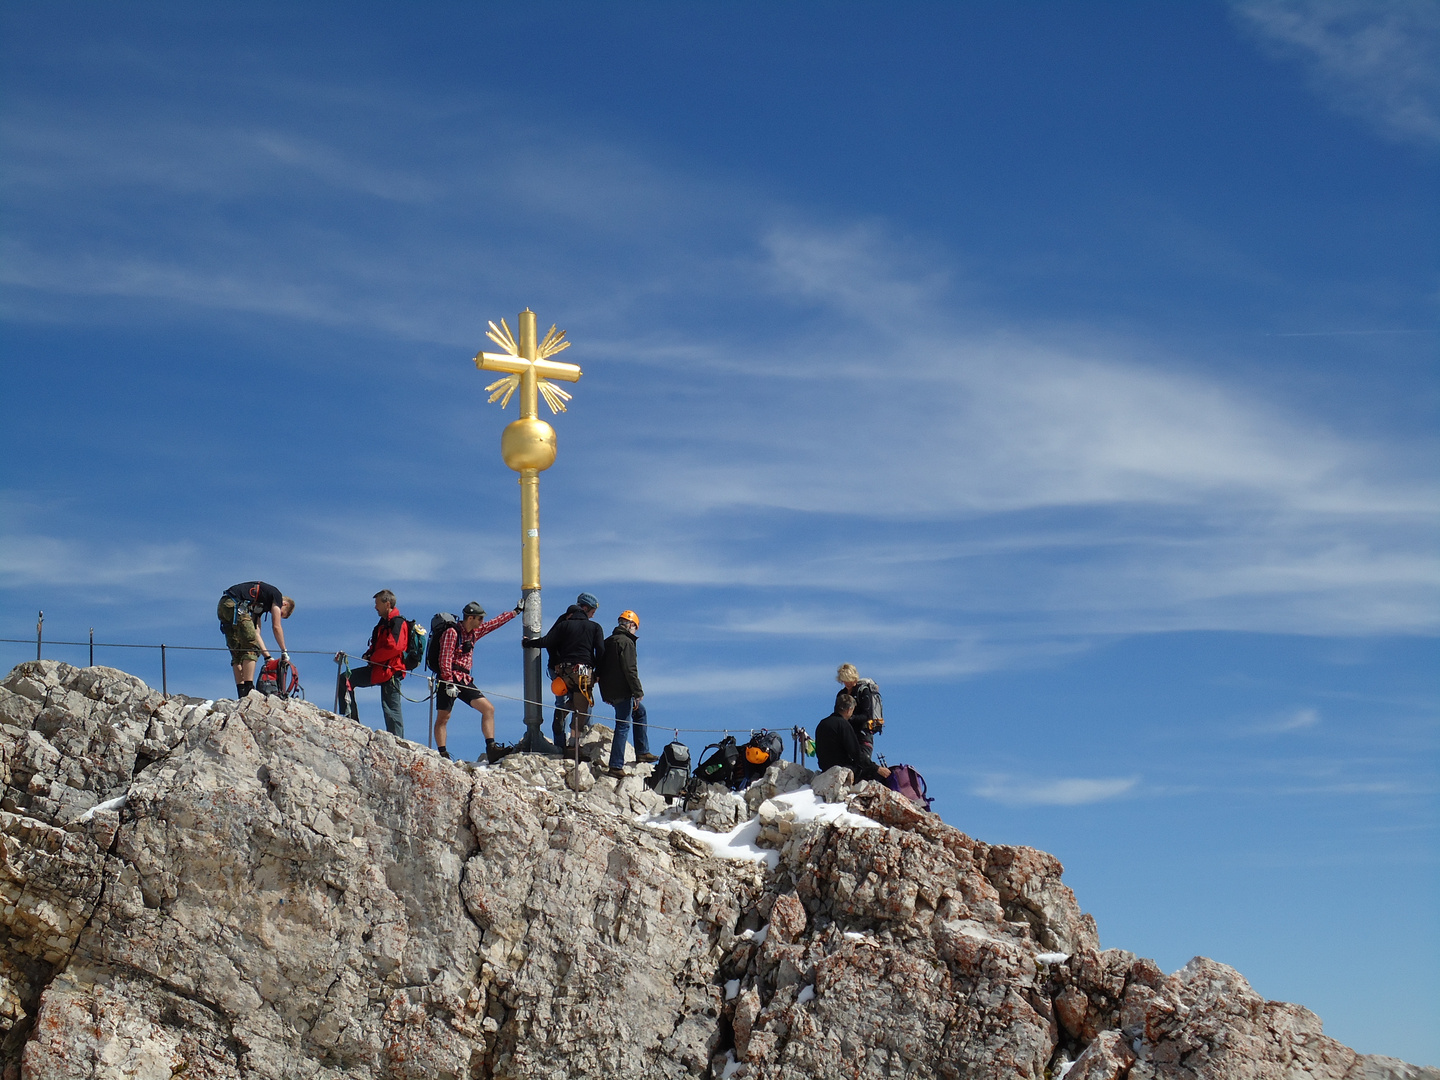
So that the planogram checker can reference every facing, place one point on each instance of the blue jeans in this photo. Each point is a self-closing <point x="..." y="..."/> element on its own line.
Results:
<point x="623" y="709"/>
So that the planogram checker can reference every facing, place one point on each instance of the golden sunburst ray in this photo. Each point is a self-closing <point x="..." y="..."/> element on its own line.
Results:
<point x="554" y="342"/>
<point x="554" y="396"/>
<point x="506" y="386"/>
<point x="503" y="337"/>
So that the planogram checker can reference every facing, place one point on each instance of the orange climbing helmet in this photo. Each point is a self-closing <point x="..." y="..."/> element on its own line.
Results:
<point x="630" y="617"/>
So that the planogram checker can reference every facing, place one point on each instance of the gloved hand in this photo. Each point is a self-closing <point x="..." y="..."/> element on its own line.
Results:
<point x="529" y="642"/>
<point x="520" y="607"/>
<point x="284" y="657"/>
<point x="447" y="689"/>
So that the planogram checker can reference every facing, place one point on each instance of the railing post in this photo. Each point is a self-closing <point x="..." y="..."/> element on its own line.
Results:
<point x="39" y="633"/>
<point x="92" y="646"/>
<point x="164" y="680"/>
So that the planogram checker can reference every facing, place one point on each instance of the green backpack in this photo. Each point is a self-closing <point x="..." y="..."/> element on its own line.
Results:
<point x="415" y="636"/>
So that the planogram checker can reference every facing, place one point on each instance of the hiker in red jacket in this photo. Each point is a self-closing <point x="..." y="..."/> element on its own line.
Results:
<point x="387" y="660"/>
<point x="456" y="654"/>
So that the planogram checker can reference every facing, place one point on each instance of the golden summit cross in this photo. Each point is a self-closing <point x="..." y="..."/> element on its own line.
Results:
<point x="528" y="447"/>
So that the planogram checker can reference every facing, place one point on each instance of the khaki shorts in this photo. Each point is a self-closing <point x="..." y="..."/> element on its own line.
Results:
<point x="579" y="678"/>
<point x="240" y="635"/>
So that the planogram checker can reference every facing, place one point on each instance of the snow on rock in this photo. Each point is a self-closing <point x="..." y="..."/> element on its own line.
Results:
<point x="263" y="889"/>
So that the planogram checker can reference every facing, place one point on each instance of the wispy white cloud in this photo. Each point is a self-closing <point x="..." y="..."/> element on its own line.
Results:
<point x="1295" y="720"/>
<point x="1378" y="60"/>
<point x="1072" y="791"/>
<point x="28" y="559"/>
<point x="858" y="430"/>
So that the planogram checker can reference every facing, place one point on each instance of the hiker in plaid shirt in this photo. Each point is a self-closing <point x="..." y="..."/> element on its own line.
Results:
<point x="456" y="654"/>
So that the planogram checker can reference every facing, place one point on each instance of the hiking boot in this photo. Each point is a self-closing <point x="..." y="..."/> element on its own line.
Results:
<point x="646" y="758"/>
<point x="495" y="751"/>
<point x="443" y="752"/>
<point x="618" y="774"/>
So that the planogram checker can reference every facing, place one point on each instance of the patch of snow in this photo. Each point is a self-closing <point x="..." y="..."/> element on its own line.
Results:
<point x="1052" y="957"/>
<point x="853" y="935"/>
<point x="732" y="989"/>
<point x="109" y="804"/>
<point x="807" y="993"/>
<point x="738" y="843"/>
<point x="731" y="1065"/>
<point x="806" y="807"/>
<point x="1060" y="1073"/>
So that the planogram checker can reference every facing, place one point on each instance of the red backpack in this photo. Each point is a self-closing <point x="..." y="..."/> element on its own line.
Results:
<point x="278" y="677"/>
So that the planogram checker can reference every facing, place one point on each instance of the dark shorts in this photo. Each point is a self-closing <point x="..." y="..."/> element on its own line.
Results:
<point x="446" y="694"/>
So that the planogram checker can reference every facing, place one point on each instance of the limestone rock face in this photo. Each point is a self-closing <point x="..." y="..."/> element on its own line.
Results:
<point x="263" y="889"/>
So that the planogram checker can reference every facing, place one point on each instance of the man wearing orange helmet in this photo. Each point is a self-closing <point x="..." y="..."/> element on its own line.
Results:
<point x="620" y="687"/>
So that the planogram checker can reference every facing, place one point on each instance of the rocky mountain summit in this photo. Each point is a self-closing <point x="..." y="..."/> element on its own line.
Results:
<point x="264" y="889"/>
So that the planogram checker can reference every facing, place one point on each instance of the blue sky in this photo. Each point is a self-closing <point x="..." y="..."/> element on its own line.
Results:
<point x="1068" y="368"/>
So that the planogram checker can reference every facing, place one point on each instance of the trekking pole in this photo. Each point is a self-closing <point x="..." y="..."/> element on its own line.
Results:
<point x="39" y="633"/>
<point x="92" y="646"/>
<point x="430" y="737"/>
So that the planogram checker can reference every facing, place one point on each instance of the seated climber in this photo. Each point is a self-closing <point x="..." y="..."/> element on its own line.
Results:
<point x="837" y="744"/>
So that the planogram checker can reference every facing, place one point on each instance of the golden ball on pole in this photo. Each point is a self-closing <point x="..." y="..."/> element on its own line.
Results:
<point x="528" y="443"/>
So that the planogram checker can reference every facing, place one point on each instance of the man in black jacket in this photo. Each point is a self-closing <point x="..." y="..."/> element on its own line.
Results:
<point x="837" y="744"/>
<point x="620" y="687"/>
<point x="576" y="645"/>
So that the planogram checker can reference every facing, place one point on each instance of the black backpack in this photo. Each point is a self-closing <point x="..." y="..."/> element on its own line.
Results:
<point x="441" y="622"/>
<point x="671" y="771"/>
<point x="764" y="749"/>
<point x="722" y="766"/>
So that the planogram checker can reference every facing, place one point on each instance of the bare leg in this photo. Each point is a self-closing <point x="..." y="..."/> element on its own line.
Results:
<point x="487" y="716"/>
<point x="441" y="719"/>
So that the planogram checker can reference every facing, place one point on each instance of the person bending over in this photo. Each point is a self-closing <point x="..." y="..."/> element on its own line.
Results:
<point x="240" y="610"/>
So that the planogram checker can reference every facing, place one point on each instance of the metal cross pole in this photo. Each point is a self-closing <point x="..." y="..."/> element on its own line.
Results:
<point x="528" y="446"/>
<point x="39" y="631"/>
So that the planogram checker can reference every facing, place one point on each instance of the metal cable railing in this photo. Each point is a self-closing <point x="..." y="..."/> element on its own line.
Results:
<point x="165" y="647"/>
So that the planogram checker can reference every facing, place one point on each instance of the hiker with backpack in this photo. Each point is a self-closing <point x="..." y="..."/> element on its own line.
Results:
<point x="240" y="610"/>
<point x="386" y="656"/>
<point x="869" y="716"/>
<point x="452" y="652"/>
<point x="620" y="687"/>
<point x="836" y="743"/>
<point x="576" y="645"/>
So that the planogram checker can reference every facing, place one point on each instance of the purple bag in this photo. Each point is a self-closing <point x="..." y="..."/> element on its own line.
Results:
<point x="906" y="779"/>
